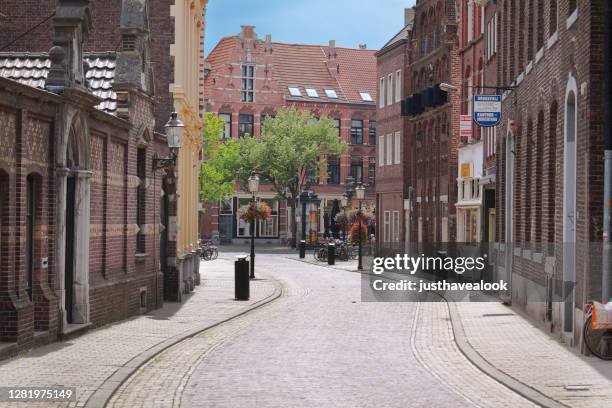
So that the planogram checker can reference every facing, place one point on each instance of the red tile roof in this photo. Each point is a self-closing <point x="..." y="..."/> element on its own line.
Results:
<point x="307" y="66"/>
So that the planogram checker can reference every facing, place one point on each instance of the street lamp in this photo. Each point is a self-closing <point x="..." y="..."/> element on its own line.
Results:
<point x="253" y="187"/>
<point x="360" y="195"/>
<point x="175" y="130"/>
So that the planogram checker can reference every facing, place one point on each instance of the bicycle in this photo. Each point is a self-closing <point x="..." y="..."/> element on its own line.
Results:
<point x="597" y="339"/>
<point x="208" y="251"/>
<point x="320" y="254"/>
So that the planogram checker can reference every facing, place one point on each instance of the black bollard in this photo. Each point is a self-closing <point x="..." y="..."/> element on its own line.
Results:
<point x="331" y="253"/>
<point x="241" y="278"/>
<point x="302" y="249"/>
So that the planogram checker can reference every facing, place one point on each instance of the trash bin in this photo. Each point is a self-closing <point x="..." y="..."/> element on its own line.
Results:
<point x="241" y="278"/>
<point x="302" y="249"/>
<point x="331" y="253"/>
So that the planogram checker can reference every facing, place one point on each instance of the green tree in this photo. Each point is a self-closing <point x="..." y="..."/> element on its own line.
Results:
<point x="290" y="149"/>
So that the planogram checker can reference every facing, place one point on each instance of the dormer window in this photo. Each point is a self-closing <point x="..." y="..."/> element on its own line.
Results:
<point x="294" y="91"/>
<point x="312" y="92"/>
<point x="331" y="94"/>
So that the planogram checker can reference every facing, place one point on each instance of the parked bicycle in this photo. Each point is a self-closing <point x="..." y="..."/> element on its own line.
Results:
<point x="597" y="330"/>
<point x="208" y="251"/>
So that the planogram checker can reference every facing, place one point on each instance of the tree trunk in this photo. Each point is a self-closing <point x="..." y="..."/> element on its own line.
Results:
<point x="293" y="240"/>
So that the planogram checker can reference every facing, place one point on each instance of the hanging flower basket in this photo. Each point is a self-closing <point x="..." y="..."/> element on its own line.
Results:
<point x="254" y="212"/>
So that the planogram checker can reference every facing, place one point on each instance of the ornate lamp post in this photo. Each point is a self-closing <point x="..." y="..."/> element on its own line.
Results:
<point x="175" y="129"/>
<point x="360" y="194"/>
<point x="253" y="187"/>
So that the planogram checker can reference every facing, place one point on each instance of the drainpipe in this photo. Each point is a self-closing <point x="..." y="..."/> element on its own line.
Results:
<point x="607" y="210"/>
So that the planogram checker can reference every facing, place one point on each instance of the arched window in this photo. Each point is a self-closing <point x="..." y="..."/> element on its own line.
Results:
<point x="538" y="179"/>
<point x="572" y="6"/>
<point x="531" y="30"/>
<point x="540" y="27"/>
<point x="521" y="37"/>
<point x="527" y="183"/>
<point x="552" y="175"/>
<point x="552" y="17"/>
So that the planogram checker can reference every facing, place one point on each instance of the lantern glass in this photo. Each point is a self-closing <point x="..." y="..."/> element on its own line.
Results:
<point x="344" y="200"/>
<point x="175" y="130"/>
<point x="360" y="192"/>
<point x="253" y="182"/>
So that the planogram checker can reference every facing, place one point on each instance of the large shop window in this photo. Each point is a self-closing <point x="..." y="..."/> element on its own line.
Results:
<point x="245" y="125"/>
<point x="248" y="83"/>
<point x="264" y="229"/>
<point x="30" y="223"/>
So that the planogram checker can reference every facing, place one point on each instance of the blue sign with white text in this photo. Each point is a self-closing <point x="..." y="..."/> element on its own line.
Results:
<point x="487" y="109"/>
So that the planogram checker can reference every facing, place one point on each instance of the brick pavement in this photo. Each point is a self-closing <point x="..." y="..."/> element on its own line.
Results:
<point x="524" y="352"/>
<point x="87" y="361"/>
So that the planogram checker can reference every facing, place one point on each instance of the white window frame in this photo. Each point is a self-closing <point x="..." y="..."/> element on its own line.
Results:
<point x="312" y="93"/>
<point x="397" y="151"/>
<point x="389" y="89"/>
<point x="395" y="227"/>
<point x="389" y="152"/>
<point x="294" y="91"/>
<point x="387" y="226"/>
<point x="398" y="85"/>
<point x="381" y="151"/>
<point x="381" y="93"/>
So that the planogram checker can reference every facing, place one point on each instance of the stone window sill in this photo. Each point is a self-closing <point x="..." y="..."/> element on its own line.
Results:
<point x="140" y="256"/>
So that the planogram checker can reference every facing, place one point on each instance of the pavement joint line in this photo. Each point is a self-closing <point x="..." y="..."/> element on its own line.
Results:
<point x="107" y="389"/>
<point x="474" y="356"/>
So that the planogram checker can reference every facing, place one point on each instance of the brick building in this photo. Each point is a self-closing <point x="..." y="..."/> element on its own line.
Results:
<point x="251" y="78"/>
<point x="550" y="157"/>
<point x="88" y="229"/>
<point x="470" y="149"/>
<point x="393" y="175"/>
<point x="433" y="121"/>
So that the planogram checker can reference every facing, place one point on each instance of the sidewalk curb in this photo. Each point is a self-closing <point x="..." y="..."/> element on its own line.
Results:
<point x="107" y="389"/>
<point x="489" y="369"/>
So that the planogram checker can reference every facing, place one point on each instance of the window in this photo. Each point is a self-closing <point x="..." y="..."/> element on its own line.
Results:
<point x="263" y="117"/>
<point x="312" y="92"/>
<point x="366" y="96"/>
<point x="530" y="30"/>
<point x="470" y="20"/>
<point x="396" y="226"/>
<point x="381" y="93"/>
<point x="381" y="151"/>
<point x="356" y="131"/>
<point x="243" y="227"/>
<point x="540" y="26"/>
<point x="390" y="89"/>
<point x="226" y="207"/>
<point x="389" y="149"/>
<point x="333" y="170"/>
<point x="30" y="224"/>
<point x="371" y="170"/>
<point x="397" y="147"/>
<point x="372" y="132"/>
<point x="357" y="170"/>
<point x="248" y="83"/>
<point x="398" y="85"/>
<point x="492" y="37"/>
<point x="245" y="125"/>
<point x="482" y="19"/>
<point x="294" y="91"/>
<point x="331" y="94"/>
<point x="141" y="199"/>
<point x="553" y="17"/>
<point x="387" y="226"/>
<point x="337" y="123"/>
<point x="269" y="227"/>
<point x="227" y="130"/>
<point x="572" y="6"/>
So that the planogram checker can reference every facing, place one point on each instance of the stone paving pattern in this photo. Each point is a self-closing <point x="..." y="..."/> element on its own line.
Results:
<point x="87" y="361"/>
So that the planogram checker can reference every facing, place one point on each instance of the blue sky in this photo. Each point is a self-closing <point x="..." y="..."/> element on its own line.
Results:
<point x="350" y="23"/>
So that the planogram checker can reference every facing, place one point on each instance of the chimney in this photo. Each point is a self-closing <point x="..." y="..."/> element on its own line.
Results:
<point x="247" y="32"/>
<point x="363" y="46"/>
<point x="332" y="49"/>
<point x="268" y="39"/>
<point x="409" y="16"/>
<point x="72" y="22"/>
